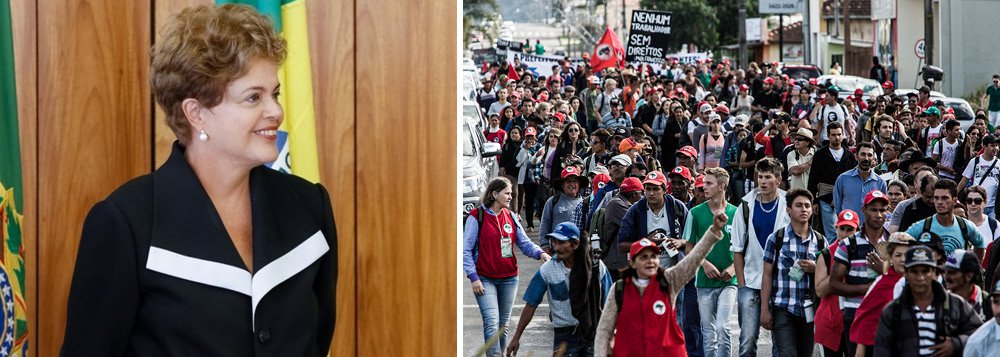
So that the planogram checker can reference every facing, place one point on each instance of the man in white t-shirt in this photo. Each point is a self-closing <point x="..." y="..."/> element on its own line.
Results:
<point x="831" y="111"/>
<point x="984" y="171"/>
<point x="945" y="149"/>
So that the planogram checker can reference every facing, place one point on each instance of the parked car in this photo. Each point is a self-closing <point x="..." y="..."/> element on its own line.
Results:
<point x="472" y="111"/>
<point x="801" y="72"/>
<point x="479" y="163"/>
<point x="848" y="84"/>
<point x="963" y="111"/>
<point x="470" y="80"/>
<point x="905" y="92"/>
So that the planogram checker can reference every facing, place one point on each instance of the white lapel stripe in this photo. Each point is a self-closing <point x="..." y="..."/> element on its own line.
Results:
<point x="286" y="266"/>
<point x="237" y="279"/>
<point x="199" y="270"/>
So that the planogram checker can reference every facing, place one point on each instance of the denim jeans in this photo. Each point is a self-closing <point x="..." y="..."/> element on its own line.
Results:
<point x="575" y="346"/>
<point x="829" y="219"/>
<point x="692" y="322"/>
<point x="495" y="305"/>
<point x="749" y="314"/>
<point x="791" y="335"/>
<point x="715" y="306"/>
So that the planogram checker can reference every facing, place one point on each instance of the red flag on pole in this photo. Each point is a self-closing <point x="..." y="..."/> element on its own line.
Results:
<point x="511" y="74"/>
<point x="608" y="53"/>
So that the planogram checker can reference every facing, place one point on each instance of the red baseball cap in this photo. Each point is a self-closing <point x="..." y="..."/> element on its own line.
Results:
<point x="570" y="171"/>
<point x="630" y="184"/>
<point x="791" y="81"/>
<point x="887" y="85"/>
<point x="722" y="108"/>
<point x="847" y="217"/>
<point x="699" y="181"/>
<point x="813" y="81"/>
<point x="682" y="171"/>
<point x="769" y="80"/>
<point x="744" y="87"/>
<point x="530" y="131"/>
<point x="641" y="244"/>
<point x="560" y="116"/>
<point x="657" y="178"/>
<point x="875" y="195"/>
<point x="689" y="151"/>
<point x="600" y="180"/>
<point x="858" y="91"/>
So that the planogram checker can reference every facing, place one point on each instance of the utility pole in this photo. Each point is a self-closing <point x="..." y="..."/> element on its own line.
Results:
<point x="743" y="34"/>
<point x="847" y="39"/>
<point x="623" y="31"/>
<point x="781" y="38"/>
<point x="929" y="32"/>
<point x="806" y="40"/>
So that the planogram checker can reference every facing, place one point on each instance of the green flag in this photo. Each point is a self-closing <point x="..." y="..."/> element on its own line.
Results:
<point x="13" y="310"/>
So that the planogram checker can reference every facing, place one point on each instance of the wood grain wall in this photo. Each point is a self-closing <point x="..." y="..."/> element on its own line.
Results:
<point x="406" y="110"/>
<point x="88" y="124"/>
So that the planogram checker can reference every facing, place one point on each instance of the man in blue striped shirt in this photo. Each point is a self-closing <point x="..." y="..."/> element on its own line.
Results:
<point x="787" y="286"/>
<point x="856" y="263"/>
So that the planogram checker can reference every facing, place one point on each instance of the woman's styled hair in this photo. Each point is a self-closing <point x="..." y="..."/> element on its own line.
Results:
<point x="201" y="50"/>
<point x="496" y="185"/>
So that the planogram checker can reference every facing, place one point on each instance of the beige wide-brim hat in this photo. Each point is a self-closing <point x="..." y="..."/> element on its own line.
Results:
<point x="806" y="133"/>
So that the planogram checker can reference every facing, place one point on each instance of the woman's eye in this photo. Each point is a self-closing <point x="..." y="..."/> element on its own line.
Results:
<point x="253" y="98"/>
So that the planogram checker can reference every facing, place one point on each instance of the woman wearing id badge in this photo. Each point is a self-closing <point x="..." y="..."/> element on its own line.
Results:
<point x="488" y="259"/>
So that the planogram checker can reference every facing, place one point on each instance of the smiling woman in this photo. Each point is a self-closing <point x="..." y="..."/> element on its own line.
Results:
<point x="212" y="244"/>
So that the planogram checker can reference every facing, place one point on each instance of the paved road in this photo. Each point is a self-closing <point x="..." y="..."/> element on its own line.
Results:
<point x="537" y="338"/>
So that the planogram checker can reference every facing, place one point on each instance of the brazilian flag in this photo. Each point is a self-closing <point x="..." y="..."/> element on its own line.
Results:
<point x="297" y="150"/>
<point x="13" y="310"/>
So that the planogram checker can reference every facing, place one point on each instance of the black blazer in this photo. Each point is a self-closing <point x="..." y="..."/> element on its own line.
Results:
<point x="157" y="274"/>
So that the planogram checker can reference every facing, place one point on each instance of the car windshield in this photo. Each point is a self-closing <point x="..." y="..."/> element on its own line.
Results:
<point x="468" y="146"/>
<point x="869" y="86"/>
<point x="801" y="73"/>
<point x="962" y="111"/>
<point x="469" y="83"/>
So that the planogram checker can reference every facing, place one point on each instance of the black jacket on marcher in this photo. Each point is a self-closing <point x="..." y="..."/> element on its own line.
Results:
<point x="826" y="170"/>
<point x="158" y="275"/>
<point x="898" y="335"/>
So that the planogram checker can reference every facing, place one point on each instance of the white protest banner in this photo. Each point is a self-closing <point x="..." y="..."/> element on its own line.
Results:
<point x="685" y="58"/>
<point x="540" y="65"/>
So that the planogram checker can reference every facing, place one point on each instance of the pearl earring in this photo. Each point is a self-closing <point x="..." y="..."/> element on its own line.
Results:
<point x="202" y="136"/>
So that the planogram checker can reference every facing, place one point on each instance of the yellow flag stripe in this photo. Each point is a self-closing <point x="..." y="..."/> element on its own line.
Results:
<point x="297" y="93"/>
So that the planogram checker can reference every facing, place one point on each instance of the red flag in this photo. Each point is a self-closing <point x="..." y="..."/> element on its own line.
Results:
<point x="511" y="74"/>
<point x="608" y="53"/>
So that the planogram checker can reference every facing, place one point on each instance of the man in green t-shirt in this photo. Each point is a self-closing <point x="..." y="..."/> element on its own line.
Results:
<point x="993" y="91"/>
<point x="716" y="279"/>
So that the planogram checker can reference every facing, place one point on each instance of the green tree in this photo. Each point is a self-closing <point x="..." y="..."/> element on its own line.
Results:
<point x="694" y="21"/>
<point x="728" y="12"/>
<point x="477" y="15"/>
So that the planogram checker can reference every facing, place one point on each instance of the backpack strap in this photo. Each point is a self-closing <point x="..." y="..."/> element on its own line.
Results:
<point x="779" y="241"/>
<point x="993" y="226"/>
<point x="479" y="212"/>
<point x="987" y="174"/>
<point x="746" y="226"/>
<point x="965" y="232"/>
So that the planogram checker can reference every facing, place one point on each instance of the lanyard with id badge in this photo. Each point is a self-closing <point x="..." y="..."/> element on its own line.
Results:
<point x="506" y="237"/>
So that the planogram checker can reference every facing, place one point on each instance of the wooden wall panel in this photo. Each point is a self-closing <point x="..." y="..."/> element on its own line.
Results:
<point x="24" y="15"/>
<point x="93" y="126"/>
<point x="331" y="40"/>
<point x="406" y="109"/>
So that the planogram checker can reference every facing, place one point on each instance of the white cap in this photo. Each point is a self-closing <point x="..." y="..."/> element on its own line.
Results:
<point x="622" y="159"/>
